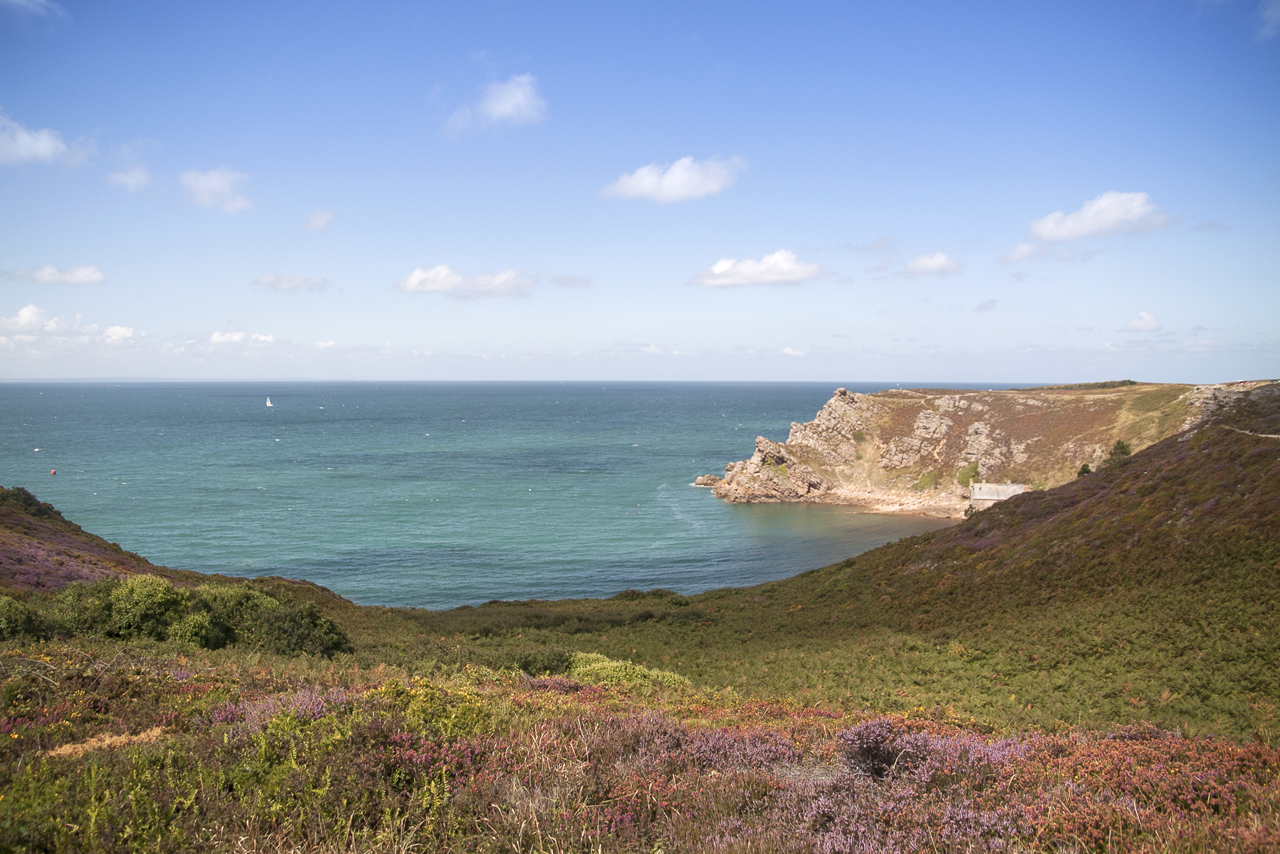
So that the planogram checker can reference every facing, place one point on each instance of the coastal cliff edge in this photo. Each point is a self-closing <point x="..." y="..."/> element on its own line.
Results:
<point x="917" y="450"/>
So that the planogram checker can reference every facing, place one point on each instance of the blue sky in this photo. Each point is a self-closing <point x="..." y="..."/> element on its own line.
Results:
<point x="914" y="191"/>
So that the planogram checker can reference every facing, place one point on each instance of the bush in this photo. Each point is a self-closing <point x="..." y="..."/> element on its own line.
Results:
<point x="1084" y="470"/>
<point x="83" y="609"/>
<point x="198" y="629"/>
<point x="967" y="474"/>
<point x="16" y="619"/>
<point x="1120" y="452"/>
<point x="597" y="669"/>
<point x="292" y="628"/>
<point x="145" y="606"/>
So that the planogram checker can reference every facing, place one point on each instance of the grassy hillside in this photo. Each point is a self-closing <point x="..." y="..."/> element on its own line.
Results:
<point x="1090" y="668"/>
<point x="1145" y="592"/>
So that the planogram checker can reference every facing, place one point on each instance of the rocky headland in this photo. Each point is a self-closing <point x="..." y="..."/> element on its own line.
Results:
<point x="917" y="450"/>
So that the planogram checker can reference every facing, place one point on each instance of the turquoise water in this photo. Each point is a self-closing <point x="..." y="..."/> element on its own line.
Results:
<point x="431" y="494"/>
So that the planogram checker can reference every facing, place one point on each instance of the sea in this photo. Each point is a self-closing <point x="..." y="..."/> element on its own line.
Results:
<point x="432" y="495"/>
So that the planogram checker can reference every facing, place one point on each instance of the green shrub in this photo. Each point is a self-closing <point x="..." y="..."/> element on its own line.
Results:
<point x="1084" y="470"/>
<point x="928" y="480"/>
<point x="292" y="628"/>
<point x="1120" y="452"/>
<point x="234" y="604"/>
<point x="16" y="619"/>
<point x="145" y="606"/>
<point x="83" y="609"/>
<point x="198" y="629"/>
<point x="967" y="474"/>
<point x="594" y="668"/>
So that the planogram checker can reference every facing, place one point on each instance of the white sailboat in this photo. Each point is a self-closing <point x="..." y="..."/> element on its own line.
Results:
<point x="269" y="403"/>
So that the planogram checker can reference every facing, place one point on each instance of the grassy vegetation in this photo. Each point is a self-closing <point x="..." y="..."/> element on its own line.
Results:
<point x="1090" y="668"/>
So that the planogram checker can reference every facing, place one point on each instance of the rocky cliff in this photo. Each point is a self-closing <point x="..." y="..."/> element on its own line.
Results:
<point x="916" y="450"/>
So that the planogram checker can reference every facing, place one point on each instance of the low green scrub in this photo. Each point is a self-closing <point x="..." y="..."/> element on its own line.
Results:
<point x="967" y="474"/>
<point x="209" y="616"/>
<point x="927" y="481"/>
<point x="596" y="669"/>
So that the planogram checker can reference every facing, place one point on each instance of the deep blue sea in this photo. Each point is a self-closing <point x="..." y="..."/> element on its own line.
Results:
<point x="431" y="494"/>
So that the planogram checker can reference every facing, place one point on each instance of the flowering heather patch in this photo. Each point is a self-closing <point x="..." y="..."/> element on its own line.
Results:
<point x="487" y="762"/>
<point x="304" y="704"/>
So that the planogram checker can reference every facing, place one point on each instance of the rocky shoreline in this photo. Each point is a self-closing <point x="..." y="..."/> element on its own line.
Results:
<point x="915" y="451"/>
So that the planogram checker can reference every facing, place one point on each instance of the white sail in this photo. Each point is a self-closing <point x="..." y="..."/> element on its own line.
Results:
<point x="269" y="401"/>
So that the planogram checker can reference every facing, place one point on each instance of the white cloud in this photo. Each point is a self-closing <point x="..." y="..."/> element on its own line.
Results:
<point x="1144" y="322"/>
<point x="515" y="102"/>
<point x="680" y="181"/>
<point x="787" y="351"/>
<point x="217" y="188"/>
<point x="34" y="7"/>
<point x="318" y="220"/>
<point x="1021" y="252"/>
<point x="291" y="284"/>
<point x="51" y="275"/>
<point x="30" y="318"/>
<point x="116" y="334"/>
<point x="226" y="338"/>
<point x="263" y="339"/>
<point x="19" y="145"/>
<point x="325" y="345"/>
<point x="780" y="268"/>
<point x="1107" y="214"/>
<point x="1269" y="12"/>
<point x="442" y="279"/>
<point x="131" y="179"/>
<point x="937" y="264"/>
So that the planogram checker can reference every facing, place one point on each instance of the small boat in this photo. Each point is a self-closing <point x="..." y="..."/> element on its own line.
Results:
<point x="269" y="403"/>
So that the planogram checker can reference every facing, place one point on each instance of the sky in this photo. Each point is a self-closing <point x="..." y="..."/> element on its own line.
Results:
<point x="864" y="191"/>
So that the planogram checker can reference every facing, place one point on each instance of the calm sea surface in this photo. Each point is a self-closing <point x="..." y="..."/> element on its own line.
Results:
<point x="431" y="494"/>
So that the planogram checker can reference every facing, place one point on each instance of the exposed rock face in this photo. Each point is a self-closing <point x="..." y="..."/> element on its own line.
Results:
<point x="915" y="450"/>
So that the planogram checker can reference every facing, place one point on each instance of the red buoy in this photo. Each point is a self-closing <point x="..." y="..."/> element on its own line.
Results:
<point x="53" y="471"/>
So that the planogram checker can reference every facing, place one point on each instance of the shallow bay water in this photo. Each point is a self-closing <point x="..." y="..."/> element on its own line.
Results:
<point x="431" y="494"/>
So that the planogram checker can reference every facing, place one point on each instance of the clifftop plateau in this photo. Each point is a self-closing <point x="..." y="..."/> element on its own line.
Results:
<point x="917" y="450"/>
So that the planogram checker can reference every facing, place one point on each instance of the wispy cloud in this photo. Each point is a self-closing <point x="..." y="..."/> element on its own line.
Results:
<point x="678" y="182"/>
<point x="318" y="220"/>
<point x="514" y="102"/>
<point x="32" y="327"/>
<point x="226" y="338"/>
<point x="1022" y="252"/>
<point x="1109" y="213"/>
<point x="33" y="7"/>
<point x="21" y="145"/>
<point x="937" y="264"/>
<point x="1144" y="322"/>
<point x="1269" y="19"/>
<point x="292" y="284"/>
<point x="780" y="268"/>
<point x="51" y="275"/>
<point x="216" y="188"/>
<point x="442" y="279"/>
<point x="986" y="305"/>
<point x="133" y="179"/>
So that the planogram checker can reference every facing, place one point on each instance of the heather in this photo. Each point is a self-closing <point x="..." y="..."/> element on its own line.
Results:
<point x="273" y="753"/>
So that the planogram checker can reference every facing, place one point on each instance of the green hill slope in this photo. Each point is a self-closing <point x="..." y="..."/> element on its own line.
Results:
<point x="1144" y="592"/>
